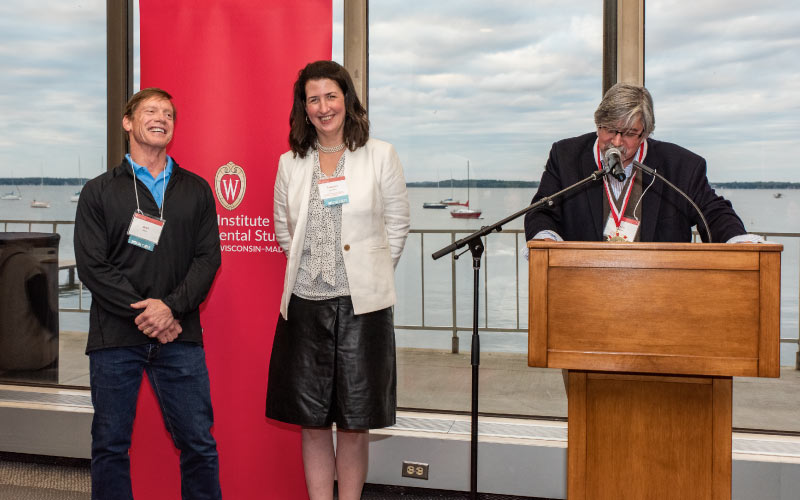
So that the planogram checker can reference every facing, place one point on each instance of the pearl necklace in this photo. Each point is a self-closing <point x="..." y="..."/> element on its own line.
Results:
<point x="332" y="149"/>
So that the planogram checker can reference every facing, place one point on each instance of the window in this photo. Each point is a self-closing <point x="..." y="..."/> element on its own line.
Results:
<point x="479" y="90"/>
<point x="724" y="80"/>
<point x="53" y="137"/>
<point x="53" y="96"/>
<point x="338" y="31"/>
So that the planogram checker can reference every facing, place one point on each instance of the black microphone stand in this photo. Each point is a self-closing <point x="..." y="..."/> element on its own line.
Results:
<point x="476" y="248"/>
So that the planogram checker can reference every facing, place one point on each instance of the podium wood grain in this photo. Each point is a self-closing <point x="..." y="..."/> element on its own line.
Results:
<point x="652" y="334"/>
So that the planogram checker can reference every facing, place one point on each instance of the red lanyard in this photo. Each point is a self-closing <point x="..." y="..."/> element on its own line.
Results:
<point x="617" y="215"/>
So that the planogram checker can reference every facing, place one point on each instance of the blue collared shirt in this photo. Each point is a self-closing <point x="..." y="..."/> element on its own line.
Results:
<point x="156" y="186"/>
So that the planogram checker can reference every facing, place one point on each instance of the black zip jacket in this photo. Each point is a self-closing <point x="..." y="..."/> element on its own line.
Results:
<point x="179" y="271"/>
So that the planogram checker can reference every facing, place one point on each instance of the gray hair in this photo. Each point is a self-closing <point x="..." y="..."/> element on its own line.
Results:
<point x="622" y="105"/>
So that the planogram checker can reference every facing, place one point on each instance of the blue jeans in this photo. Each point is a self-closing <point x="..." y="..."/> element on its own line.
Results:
<point x="178" y="375"/>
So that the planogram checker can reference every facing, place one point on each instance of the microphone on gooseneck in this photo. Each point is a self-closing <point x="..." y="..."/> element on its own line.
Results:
<point x="613" y="161"/>
<point x="654" y="173"/>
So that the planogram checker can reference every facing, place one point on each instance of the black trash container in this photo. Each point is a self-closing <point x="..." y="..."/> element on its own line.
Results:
<point x="28" y="303"/>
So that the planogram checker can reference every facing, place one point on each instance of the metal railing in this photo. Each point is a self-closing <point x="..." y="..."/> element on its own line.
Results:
<point x="424" y="256"/>
<point x="454" y="328"/>
<point x="519" y="245"/>
<point x="30" y="223"/>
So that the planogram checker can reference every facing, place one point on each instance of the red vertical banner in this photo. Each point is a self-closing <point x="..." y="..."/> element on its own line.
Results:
<point x="230" y="66"/>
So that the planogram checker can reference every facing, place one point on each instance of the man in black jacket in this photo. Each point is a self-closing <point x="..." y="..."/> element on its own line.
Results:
<point x="638" y="208"/>
<point x="147" y="247"/>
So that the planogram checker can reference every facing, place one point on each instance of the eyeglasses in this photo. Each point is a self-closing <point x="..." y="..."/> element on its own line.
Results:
<point x="626" y="134"/>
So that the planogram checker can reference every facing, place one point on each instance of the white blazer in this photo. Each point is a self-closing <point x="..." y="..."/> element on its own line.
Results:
<point x="375" y="222"/>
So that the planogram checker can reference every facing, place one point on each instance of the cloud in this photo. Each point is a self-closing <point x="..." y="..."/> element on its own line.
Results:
<point x="724" y="83"/>
<point x="496" y="86"/>
<point x="493" y="82"/>
<point x="499" y="84"/>
<point x="52" y="86"/>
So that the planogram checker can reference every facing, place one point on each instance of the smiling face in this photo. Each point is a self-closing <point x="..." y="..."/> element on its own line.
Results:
<point x="326" y="110"/>
<point x="151" y="125"/>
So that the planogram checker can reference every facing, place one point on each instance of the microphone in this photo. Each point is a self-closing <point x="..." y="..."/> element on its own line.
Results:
<point x="613" y="160"/>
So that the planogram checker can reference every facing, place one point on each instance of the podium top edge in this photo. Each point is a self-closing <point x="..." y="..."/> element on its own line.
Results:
<point x="623" y="246"/>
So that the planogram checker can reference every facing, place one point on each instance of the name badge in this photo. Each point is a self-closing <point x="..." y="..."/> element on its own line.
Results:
<point x="625" y="232"/>
<point x="333" y="191"/>
<point x="145" y="231"/>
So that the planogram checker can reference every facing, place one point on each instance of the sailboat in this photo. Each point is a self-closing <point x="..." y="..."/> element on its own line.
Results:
<point x="434" y="204"/>
<point x="40" y="204"/>
<point x="11" y="195"/>
<point x="465" y="212"/>
<point x="77" y="195"/>
<point x="451" y="201"/>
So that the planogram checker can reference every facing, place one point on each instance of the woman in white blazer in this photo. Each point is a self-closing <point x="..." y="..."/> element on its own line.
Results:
<point x="341" y="217"/>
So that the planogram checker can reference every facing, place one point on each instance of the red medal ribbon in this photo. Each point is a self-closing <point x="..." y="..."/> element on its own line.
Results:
<point x="617" y="215"/>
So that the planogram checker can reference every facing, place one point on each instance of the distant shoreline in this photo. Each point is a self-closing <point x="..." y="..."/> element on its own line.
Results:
<point x="456" y="183"/>
<point x="492" y="183"/>
<point x="47" y="181"/>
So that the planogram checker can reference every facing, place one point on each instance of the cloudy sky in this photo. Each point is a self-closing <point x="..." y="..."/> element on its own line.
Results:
<point x="52" y="87"/>
<point x="456" y="80"/>
<point x="498" y="83"/>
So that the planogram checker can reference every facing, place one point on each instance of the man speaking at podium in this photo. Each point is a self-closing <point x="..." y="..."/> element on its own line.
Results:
<point x="635" y="206"/>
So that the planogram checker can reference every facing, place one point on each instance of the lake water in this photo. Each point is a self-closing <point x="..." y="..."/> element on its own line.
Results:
<point x="503" y="272"/>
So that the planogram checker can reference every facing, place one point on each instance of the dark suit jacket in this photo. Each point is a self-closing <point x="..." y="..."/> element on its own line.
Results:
<point x="666" y="215"/>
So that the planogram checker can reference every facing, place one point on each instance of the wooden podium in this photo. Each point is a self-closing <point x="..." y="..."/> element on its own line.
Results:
<point x="651" y="334"/>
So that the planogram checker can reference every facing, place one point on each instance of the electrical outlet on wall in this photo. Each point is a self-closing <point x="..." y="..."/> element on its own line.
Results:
<point x="416" y="470"/>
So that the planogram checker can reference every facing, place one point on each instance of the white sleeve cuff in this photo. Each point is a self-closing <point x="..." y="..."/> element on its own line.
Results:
<point x="747" y="238"/>
<point x="542" y="235"/>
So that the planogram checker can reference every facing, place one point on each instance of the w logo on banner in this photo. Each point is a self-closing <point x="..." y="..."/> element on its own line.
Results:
<point x="229" y="184"/>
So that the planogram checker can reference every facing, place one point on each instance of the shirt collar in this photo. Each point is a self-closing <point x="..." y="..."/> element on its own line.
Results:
<point x="141" y="170"/>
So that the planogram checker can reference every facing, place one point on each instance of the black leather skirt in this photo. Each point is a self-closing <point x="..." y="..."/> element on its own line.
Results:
<point x="329" y="365"/>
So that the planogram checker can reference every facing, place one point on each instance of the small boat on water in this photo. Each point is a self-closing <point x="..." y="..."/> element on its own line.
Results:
<point x="40" y="204"/>
<point x="435" y="204"/>
<point x="11" y="195"/>
<point x="465" y="212"/>
<point x="451" y="201"/>
<point x="77" y="195"/>
<point x="777" y="195"/>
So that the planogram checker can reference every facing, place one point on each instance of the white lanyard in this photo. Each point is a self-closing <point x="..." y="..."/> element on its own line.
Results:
<point x="163" y="191"/>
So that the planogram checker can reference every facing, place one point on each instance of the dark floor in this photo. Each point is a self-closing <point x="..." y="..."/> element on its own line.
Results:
<point x="35" y="480"/>
<point x="32" y="477"/>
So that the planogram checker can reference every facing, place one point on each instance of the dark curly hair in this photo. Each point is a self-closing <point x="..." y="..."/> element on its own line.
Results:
<point x="303" y="135"/>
